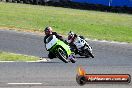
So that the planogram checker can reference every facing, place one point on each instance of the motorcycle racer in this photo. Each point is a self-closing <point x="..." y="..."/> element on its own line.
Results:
<point x="79" y="45"/>
<point x="49" y="31"/>
<point x="72" y="37"/>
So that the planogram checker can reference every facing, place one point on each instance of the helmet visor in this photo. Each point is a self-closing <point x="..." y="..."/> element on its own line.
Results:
<point x="47" y="32"/>
<point x="69" y="37"/>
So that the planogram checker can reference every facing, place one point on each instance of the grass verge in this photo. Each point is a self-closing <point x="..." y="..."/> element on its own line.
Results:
<point x="5" y="56"/>
<point x="91" y="24"/>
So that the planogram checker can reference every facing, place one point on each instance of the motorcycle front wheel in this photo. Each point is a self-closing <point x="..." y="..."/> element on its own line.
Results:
<point x="62" y="55"/>
<point x="88" y="53"/>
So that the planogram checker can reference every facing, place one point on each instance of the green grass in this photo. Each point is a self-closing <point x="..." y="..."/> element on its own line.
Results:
<point x="5" y="56"/>
<point x="91" y="24"/>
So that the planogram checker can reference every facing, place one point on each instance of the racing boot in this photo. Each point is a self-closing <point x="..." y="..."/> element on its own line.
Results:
<point x="72" y="58"/>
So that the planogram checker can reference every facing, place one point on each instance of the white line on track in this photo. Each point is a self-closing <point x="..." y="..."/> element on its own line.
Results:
<point x="24" y="83"/>
<point x="6" y="61"/>
<point x="42" y="60"/>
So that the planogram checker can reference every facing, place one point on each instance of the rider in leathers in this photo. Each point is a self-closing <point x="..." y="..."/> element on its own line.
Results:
<point x="48" y="31"/>
<point x="72" y="37"/>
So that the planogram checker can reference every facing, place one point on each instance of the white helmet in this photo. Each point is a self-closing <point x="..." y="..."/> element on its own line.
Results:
<point x="70" y="35"/>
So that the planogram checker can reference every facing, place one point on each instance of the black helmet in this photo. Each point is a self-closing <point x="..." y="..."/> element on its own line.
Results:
<point x="48" y="30"/>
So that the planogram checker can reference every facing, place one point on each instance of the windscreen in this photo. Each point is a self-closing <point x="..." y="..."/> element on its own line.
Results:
<point x="49" y="38"/>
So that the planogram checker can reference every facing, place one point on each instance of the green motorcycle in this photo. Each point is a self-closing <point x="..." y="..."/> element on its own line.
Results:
<point x="59" y="49"/>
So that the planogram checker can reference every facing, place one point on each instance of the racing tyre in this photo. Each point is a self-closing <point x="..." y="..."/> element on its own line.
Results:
<point x="62" y="55"/>
<point x="89" y="53"/>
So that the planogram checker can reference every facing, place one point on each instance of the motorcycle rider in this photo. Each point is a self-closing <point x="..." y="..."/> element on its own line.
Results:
<point x="77" y="44"/>
<point x="72" y="36"/>
<point x="49" y="31"/>
<point x="71" y="40"/>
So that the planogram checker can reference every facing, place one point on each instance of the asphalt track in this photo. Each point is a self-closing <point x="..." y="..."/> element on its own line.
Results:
<point x="109" y="58"/>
